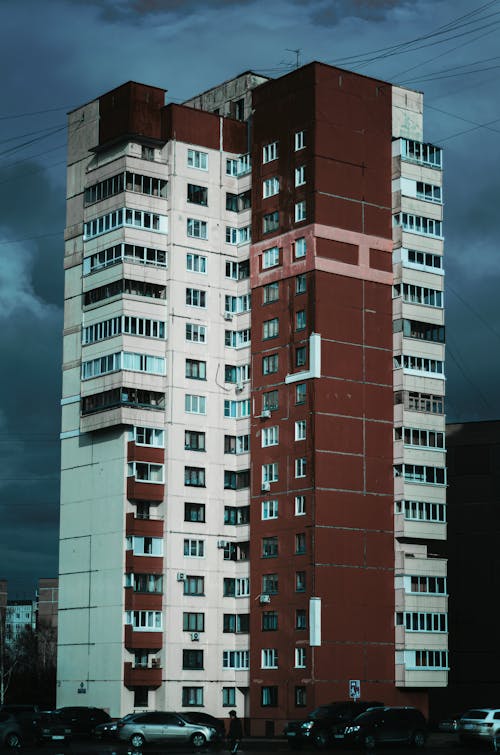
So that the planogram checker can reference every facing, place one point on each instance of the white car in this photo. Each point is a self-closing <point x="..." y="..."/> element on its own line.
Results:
<point x="479" y="725"/>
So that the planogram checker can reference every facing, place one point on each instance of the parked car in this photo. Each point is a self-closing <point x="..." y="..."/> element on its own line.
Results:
<point x="386" y="725"/>
<point x="31" y="728"/>
<point x="81" y="719"/>
<point x="109" y="729"/>
<point x="325" y="725"/>
<point x="165" y="727"/>
<point x="449" y="723"/>
<point x="479" y="725"/>
<point x="197" y="717"/>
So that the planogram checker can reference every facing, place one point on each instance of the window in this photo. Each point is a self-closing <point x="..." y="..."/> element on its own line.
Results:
<point x="193" y="622"/>
<point x="300" y="175"/>
<point x="237" y="304"/>
<point x="300" y="429"/>
<point x="231" y="202"/>
<point x="430" y="659"/>
<point x="269" y="584"/>
<point x="270" y="187"/>
<point x="196" y="263"/>
<point x="300" y="543"/>
<point x="235" y="339"/>
<point x="237" y="270"/>
<point x="269" y="547"/>
<point x="423" y="260"/>
<point x="271" y="328"/>
<point x="300" y="393"/>
<point x="418" y="224"/>
<point x="239" y="374"/>
<point x="300" y="697"/>
<point x="416" y="437"/>
<point x="231" y="235"/>
<point x="237" y="659"/>
<point x="194" y="477"/>
<point x="123" y="360"/>
<point x="269" y="658"/>
<point x="420" y="402"/>
<point x="145" y="471"/>
<point x="269" y="697"/>
<point x="194" y="585"/>
<point x="300" y="140"/>
<point x="192" y="696"/>
<point x="300" y="284"/>
<point x="197" y="194"/>
<point x="196" y="370"/>
<point x="413" y="294"/>
<point x="270" y="472"/>
<point x="147" y="436"/>
<point x="196" y="159"/>
<point x="299" y="248"/>
<point x="426" y="154"/>
<point x="270" y="509"/>
<point x="300" y="618"/>
<point x="270" y="400"/>
<point x="236" y="480"/>
<point x="237" y="409"/>
<point x="270" y="436"/>
<point x="236" y="587"/>
<point x="236" y="444"/>
<point x="132" y="397"/>
<point x="300" y="581"/>
<point x="192" y="659"/>
<point x="237" y="623"/>
<point x="425" y="331"/>
<point x="421" y="474"/>
<point x="423" y="511"/>
<point x="431" y="367"/>
<point x="194" y="512"/>
<point x="414" y="621"/>
<point x="196" y="297"/>
<point x="196" y="333"/>
<point x="124" y="217"/>
<point x="300" y="211"/>
<point x="123" y="286"/>
<point x="270" y="152"/>
<point x="300" y="467"/>
<point x="270" y="364"/>
<point x="145" y="583"/>
<point x="195" y="404"/>
<point x="300" y="657"/>
<point x="270" y="257"/>
<point x="270" y="292"/>
<point x="300" y="356"/>
<point x="194" y="548"/>
<point x="270" y="222"/>
<point x="430" y="585"/>
<point x="140" y="326"/>
<point x="300" y="505"/>
<point x="228" y="697"/>
<point x="130" y="253"/>
<point x="197" y="228"/>
<point x="144" y="621"/>
<point x="300" y="319"/>
<point x="269" y="621"/>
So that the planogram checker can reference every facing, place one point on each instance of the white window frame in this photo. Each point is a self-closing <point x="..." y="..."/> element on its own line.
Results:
<point x="196" y="297"/>
<point x="196" y="263"/>
<point x="269" y="658"/>
<point x="270" y="472"/>
<point x="270" y="509"/>
<point x="300" y="211"/>
<point x="300" y="505"/>
<point x="196" y="228"/>
<point x="270" y="257"/>
<point x="198" y="333"/>
<point x="300" y="175"/>
<point x="300" y="140"/>
<point x="197" y="159"/>
<point x="300" y="248"/>
<point x="194" y="548"/>
<point x="300" y="467"/>
<point x="300" y="657"/>
<point x="270" y="436"/>
<point x="270" y="187"/>
<point x="270" y="152"/>
<point x="195" y="404"/>
<point x="300" y="429"/>
<point x="147" y="436"/>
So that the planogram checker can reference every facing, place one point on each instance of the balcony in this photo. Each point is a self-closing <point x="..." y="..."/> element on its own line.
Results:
<point x="143" y="527"/>
<point x="151" y="454"/>
<point x="142" y="640"/>
<point x="138" y="490"/>
<point x="145" y="564"/>
<point x="406" y="677"/>
<point x="142" y="676"/>
<point x="142" y="601"/>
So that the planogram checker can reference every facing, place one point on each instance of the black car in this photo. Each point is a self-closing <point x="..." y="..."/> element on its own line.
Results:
<point x="386" y="725"/>
<point x="31" y="728"/>
<point x="325" y="725"/>
<point x="82" y="720"/>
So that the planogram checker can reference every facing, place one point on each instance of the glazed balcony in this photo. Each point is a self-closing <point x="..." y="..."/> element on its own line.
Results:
<point x="142" y="676"/>
<point x="143" y="527"/>
<point x="153" y="454"/>
<point x="142" y="601"/>
<point x="137" y="490"/>
<point x="144" y="564"/>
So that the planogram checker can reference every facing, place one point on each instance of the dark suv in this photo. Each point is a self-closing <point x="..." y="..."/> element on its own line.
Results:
<point x="384" y="725"/>
<point x="82" y="720"/>
<point x="325" y="725"/>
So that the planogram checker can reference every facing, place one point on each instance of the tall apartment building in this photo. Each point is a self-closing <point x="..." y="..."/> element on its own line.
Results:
<point x="253" y="464"/>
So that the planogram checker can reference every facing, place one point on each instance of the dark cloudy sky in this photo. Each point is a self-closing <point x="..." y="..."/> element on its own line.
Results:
<point x="58" y="54"/>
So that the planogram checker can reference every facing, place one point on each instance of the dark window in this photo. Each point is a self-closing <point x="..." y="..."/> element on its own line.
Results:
<point x="196" y="369"/>
<point x="300" y="618"/>
<point x="269" y="621"/>
<point x="300" y="356"/>
<point x="194" y="585"/>
<point x="239" y="623"/>
<point x="236" y="480"/>
<point x="236" y="514"/>
<point x="270" y="400"/>
<point x="192" y="659"/>
<point x="231" y="202"/>
<point x="197" y="194"/>
<point x="269" y="547"/>
<point x="270" y="222"/>
<point x="269" y="697"/>
<point x="194" y="477"/>
<point x="193" y="622"/>
<point x="300" y="284"/>
<point x="194" y="512"/>
<point x="194" y="440"/>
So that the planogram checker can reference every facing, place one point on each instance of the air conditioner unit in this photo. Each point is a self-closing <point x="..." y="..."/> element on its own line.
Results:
<point x="181" y="577"/>
<point x="266" y="486"/>
<point x="266" y="413"/>
<point x="239" y="387"/>
<point x="228" y="316"/>
<point x="195" y="636"/>
<point x="222" y="543"/>
<point x="265" y="598"/>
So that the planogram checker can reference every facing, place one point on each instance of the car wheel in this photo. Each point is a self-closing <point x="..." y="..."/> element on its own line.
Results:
<point x="418" y="739"/>
<point x="137" y="741"/>
<point x="320" y="739"/>
<point x="369" y="741"/>
<point x="13" y="741"/>
<point x="198" y="739"/>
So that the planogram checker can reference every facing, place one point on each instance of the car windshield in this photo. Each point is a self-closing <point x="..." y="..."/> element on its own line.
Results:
<point x="367" y="716"/>
<point x="324" y="711"/>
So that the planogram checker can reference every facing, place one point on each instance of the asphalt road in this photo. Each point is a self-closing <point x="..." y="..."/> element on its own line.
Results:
<point x="437" y="744"/>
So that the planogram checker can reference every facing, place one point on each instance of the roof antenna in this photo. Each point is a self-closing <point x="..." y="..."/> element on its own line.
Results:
<point x="297" y="56"/>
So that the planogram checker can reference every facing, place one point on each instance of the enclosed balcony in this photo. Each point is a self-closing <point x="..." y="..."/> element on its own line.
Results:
<point x="137" y="640"/>
<point x="142" y="676"/>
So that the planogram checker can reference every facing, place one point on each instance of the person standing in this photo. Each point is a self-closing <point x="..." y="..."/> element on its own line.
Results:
<point x="235" y="732"/>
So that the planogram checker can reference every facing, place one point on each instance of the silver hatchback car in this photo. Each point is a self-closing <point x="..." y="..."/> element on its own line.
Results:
<point x="158" y="726"/>
<point x="479" y="725"/>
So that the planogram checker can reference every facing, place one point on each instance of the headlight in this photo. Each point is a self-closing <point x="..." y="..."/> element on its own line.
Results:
<point x="307" y="725"/>
<point x="352" y="729"/>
